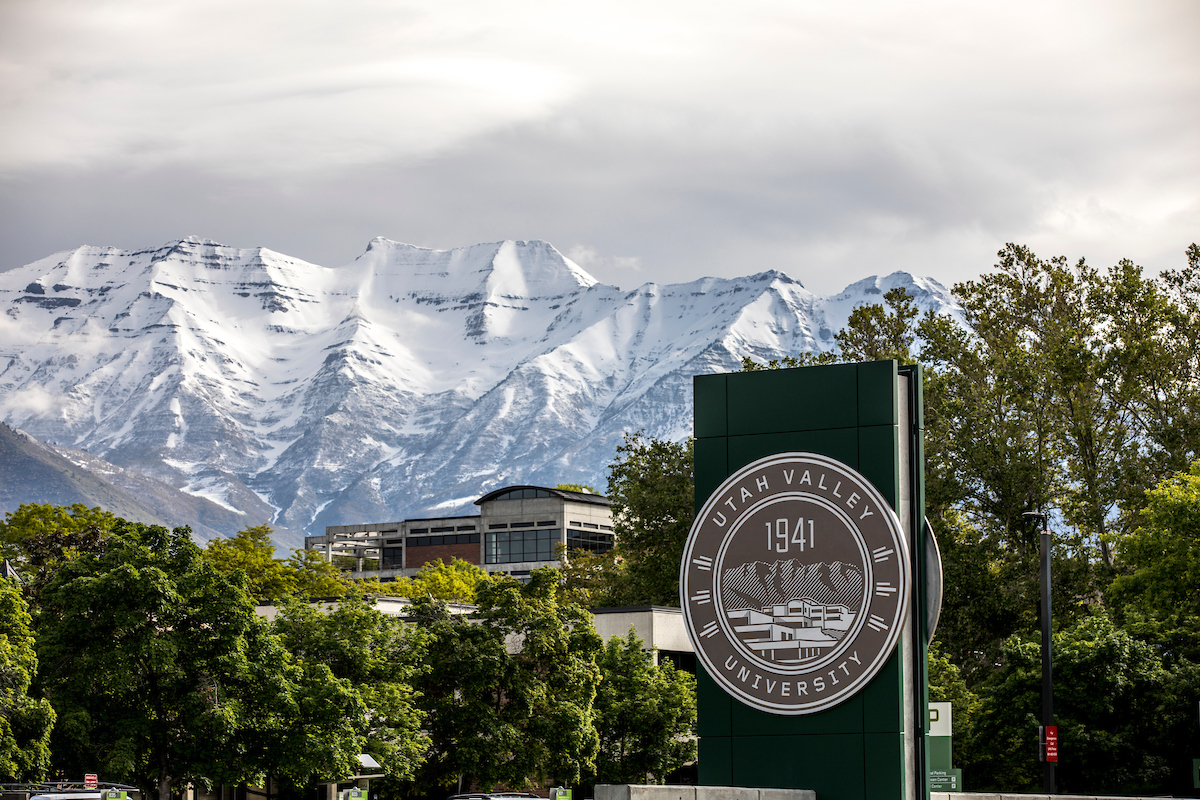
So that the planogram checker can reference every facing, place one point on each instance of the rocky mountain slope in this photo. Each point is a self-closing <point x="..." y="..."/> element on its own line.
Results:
<point x="32" y="471"/>
<point x="408" y="382"/>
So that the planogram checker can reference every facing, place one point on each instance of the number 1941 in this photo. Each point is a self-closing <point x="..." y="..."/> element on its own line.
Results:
<point x="781" y="535"/>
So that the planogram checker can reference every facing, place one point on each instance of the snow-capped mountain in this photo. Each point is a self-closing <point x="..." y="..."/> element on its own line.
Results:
<point x="410" y="381"/>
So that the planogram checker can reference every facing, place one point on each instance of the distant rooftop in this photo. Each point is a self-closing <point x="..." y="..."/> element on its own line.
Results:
<point x="531" y="492"/>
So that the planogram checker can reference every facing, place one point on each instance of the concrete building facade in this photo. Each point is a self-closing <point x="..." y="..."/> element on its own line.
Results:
<point x="518" y="529"/>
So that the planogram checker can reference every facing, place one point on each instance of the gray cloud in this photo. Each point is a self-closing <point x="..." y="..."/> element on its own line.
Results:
<point x="828" y="142"/>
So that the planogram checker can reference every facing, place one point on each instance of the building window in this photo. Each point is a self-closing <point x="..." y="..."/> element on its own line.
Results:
<point x="591" y="541"/>
<point x="393" y="557"/>
<point x="523" y="494"/>
<point x="433" y="541"/>
<point x="508" y="547"/>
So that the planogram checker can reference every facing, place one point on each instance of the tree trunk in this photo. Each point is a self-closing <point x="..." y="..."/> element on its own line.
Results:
<point x="164" y="781"/>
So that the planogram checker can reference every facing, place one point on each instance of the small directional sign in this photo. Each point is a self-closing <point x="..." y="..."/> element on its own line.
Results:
<point x="945" y="780"/>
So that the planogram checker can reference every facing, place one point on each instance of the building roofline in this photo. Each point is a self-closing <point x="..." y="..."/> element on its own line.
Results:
<point x="630" y="609"/>
<point x="579" y="497"/>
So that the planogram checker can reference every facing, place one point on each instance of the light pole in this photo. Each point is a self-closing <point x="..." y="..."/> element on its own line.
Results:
<point x="1048" y="735"/>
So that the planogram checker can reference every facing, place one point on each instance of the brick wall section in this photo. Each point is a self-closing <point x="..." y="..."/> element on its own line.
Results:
<point x="420" y="556"/>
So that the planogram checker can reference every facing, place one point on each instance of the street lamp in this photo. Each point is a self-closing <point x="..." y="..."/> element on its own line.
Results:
<point x="1048" y="733"/>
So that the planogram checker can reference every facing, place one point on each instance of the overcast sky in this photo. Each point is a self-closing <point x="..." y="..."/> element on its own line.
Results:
<point x="649" y="140"/>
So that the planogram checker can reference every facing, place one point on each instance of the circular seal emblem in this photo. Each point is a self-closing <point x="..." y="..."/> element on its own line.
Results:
<point x="794" y="583"/>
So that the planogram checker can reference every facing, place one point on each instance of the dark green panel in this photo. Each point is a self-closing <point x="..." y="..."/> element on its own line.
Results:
<point x="710" y="409"/>
<point x="879" y="459"/>
<point x="713" y="706"/>
<point x="884" y="757"/>
<point x="841" y="444"/>
<point x="940" y="752"/>
<point x="714" y="761"/>
<point x="832" y="765"/>
<point x="883" y="698"/>
<point x="877" y="393"/>
<point x="809" y="398"/>
<point x="711" y="467"/>
<point x="845" y="717"/>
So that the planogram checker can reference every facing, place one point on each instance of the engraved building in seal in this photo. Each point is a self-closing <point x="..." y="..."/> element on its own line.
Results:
<point x="795" y="583"/>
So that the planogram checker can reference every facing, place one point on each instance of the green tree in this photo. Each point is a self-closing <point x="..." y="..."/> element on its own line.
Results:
<point x="652" y="490"/>
<point x="495" y="718"/>
<point x="1158" y="596"/>
<point x="790" y="362"/>
<point x="25" y="721"/>
<point x="645" y="715"/>
<point x="1163" y="553"/>
<point x="161" y="672"/>
<point x="876" y="333"/>
<point x="946" y="685"/>
<point x="38" y="538"/>
<point x="1044" y="316"/>
<point x="462" y="695"/>
<point x="316" y="577"/>
<point x="593" y="580"/>
<point x="1108" y="705"/>
<point x="370" y="651"/>
<point x="1151" y="330"/>
<point x="1018" y="418"/>
<point x="251" y="552"/>
<point x="454" y="582"/>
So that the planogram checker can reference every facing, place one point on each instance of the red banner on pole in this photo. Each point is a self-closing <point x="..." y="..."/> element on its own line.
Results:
<point x="1052" y="743"/>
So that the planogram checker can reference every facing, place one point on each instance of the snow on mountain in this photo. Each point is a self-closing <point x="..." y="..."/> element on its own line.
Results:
<point x="406" y="381"/>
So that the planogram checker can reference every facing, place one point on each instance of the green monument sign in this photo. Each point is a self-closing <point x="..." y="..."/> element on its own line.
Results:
<point x="802" y="581"/>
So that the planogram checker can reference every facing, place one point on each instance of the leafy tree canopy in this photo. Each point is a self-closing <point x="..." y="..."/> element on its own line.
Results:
<point x="1109" y="706"/>
<point x="455" y="582"/>
<point x="498" y="718"/>
<point x="37" y="538"/>
<point x="251" y="552"/>
<point x="593" y="580"/>
<point x="1163" y="553"/>
<point x="652" y="490"/>
<point x="645" y="715"/>
<point x="25" y="722"/>
<point x="313" y="576"/>
<point x="161" y="672"/>
<point x="370" y="651"/>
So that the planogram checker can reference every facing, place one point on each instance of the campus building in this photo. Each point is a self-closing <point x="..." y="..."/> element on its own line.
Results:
<point x="518" y="529"/>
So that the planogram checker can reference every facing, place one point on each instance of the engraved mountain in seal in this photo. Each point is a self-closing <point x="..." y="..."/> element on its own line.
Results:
<point x="789" y="612"/>
<point x="759" y="583"/>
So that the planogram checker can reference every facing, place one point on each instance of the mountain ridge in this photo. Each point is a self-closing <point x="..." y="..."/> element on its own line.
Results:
<point x="409" y="381"/>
